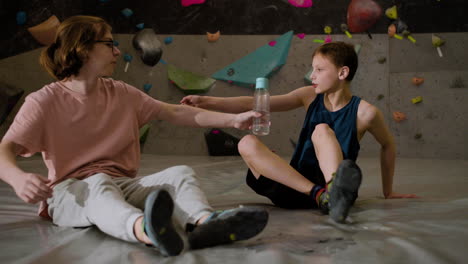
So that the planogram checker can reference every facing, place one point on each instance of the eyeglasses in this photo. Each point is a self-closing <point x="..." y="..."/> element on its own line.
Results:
<point x="108" y="43"/>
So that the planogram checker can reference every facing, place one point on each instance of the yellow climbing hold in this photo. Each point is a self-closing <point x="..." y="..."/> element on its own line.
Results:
<point x="392" y="12"/>
<point x="417" y="99"/>
<point x="232" y="237"/>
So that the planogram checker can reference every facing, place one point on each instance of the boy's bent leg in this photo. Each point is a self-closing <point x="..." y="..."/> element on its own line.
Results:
<point x="344" y="190"/>
<point x="327" y="149"/>
<point x="223" y="227"/>
<point x="262" y="161"/>
<point x="95" y="200"/>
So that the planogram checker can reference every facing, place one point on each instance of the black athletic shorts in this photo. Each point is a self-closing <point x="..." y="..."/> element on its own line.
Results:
<point x="281" y="195"/>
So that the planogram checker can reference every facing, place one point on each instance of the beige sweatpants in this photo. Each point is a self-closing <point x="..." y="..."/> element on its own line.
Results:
<point x="114" y="203"/>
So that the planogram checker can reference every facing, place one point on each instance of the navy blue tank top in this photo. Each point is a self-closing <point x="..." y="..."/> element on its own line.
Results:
<point x="343" y="122"/>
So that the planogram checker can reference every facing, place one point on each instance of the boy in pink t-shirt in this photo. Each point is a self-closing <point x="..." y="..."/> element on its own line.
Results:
<point x="87" y="129"/>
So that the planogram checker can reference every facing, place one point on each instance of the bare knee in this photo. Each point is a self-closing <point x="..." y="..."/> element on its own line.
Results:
<point x="320" y="131"/>
<point x="247" y="145"/>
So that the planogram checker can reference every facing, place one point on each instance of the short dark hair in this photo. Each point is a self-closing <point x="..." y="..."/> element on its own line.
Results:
<point x="74" y="39"/>
<point x="341" y="54"/>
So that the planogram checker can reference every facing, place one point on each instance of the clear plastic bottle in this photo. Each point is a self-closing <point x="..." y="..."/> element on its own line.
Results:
<point x="261" y="125"/>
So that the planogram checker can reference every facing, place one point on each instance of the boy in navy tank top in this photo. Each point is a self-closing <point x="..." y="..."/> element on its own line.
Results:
<point x="322" y="173"/>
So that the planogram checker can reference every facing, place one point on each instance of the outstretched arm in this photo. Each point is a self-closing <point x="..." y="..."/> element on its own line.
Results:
<point x="185" y="115"/>
<point x="30" y="187"/>
<point x="379" y="130"/>
<point x="299" y="97"/>
<point x="222" y="104"/>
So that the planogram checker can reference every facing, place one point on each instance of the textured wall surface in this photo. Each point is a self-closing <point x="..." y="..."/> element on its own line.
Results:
<point x="440" y="120"/>
<point x="239" y="17"/>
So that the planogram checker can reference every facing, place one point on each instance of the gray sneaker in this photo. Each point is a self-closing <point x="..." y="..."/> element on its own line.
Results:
<point x="224" y="227"/>
<point x="344" y="190"/>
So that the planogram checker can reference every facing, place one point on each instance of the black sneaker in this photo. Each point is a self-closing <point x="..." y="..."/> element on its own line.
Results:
<point x="344" y="190"/>
<point x="158" y="223"/>
<point x="224" y="227"/>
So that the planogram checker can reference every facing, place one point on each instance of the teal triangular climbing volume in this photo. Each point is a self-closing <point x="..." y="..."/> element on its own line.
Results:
<point x="263" y="62"/>
<point x="188" y="82"/>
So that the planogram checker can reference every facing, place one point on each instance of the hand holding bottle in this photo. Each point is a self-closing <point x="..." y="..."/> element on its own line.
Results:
<point x="261" y="125"/>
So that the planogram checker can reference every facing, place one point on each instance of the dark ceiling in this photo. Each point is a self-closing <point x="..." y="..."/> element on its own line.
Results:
<point x="231" y="17"/>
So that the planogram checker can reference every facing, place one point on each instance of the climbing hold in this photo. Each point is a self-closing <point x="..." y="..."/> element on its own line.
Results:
<point x="272" y="43"/>
<point x="127" y="12"/>
<point x="213" y="37"/>
<point x="357" y="48"/>
<point x="188" y="82"/>
<point x="116" y="43"/>
<point x="168" y="40"/>
<point x="417" y="136"/>
<point x="147" y="87"/>
<point x="380" y="97"/>
<point x="362" y="15"/>
<point x="301" y="35"/>
<point x="345" y="29"/>
<point x="328" y="39"/>
<point x="399" y="116"/>
<point x="327" y="30"/>
<point x="417" y="81"/>
<point x="45" y="32"/>
<point x="140" y="26"/>
<point x="147" y="43"/>
<point x="417" y="100"/>
<point x="392" y="12"/>
<point x="127" y="58"/>
<point x="231" y="72"/>
<point x="263" y="62"/>
<point x="301" y="3"/>
<point x="318" y="41"/>
<point x="392" y="32"/>
<point x="438" y="42"/>
<point x="144" y="131"/>
<point x="191" y="2"/>
<point x="21" y="18"/>
<point x="382" y="60"/>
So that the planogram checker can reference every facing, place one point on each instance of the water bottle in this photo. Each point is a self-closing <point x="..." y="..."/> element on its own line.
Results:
<point x="261" y="125"/>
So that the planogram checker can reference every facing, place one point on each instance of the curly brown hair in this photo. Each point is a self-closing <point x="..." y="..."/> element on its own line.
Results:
<point x="341" y="54"/>
<point x="74" y="39"/>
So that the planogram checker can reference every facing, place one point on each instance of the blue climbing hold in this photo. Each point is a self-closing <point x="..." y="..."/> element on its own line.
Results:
<point x="168" y="40"/>
<point x="21" y="18"/>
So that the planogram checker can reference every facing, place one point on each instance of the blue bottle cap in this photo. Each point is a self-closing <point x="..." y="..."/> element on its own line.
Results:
<point x="261" y="82"/>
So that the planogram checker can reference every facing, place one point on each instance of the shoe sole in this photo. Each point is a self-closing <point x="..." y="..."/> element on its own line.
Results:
<point x="344" y="190"/>
<point x="158" y="223"/>
<point x="242" y="225"/>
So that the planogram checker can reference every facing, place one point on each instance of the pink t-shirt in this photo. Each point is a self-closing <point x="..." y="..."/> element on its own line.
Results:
<point x="81" y="135"/>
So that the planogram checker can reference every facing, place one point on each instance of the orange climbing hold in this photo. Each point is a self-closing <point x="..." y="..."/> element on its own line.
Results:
<point x="417" y="81"/>
<point x="398" y="116"/>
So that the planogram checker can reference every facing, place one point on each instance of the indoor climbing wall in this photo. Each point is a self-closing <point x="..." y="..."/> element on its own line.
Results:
<point x="428" y="118"/>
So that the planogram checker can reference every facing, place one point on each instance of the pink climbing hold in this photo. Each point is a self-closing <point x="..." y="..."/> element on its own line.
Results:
<point x="301" y="35"/>
<point x="301" y="3"/>
<point x="192" y="2"/>
<point x="328" y="39"/>
<point x="272" y="43"/>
